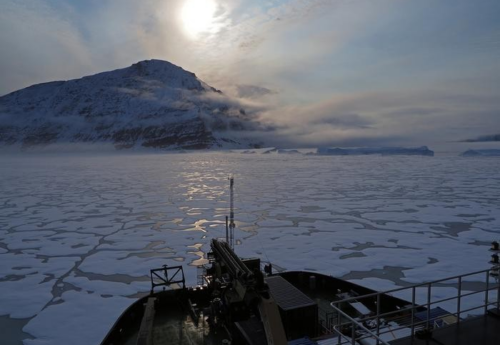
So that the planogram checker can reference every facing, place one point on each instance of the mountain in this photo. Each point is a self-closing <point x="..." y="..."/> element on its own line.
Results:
<point x="150" y="104"/>
<point x="484" y="138"/>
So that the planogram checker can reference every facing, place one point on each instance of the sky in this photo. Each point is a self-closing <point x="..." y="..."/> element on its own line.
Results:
<point x="350" y="72"/>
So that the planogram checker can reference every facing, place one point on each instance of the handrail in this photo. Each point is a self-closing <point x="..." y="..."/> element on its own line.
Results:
<point x="353" y="321"/>
<point x="408" y="313"/>
<point x="374" y="294"/>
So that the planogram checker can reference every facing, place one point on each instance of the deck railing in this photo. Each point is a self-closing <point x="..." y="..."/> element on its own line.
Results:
<point x="385" y="325"/>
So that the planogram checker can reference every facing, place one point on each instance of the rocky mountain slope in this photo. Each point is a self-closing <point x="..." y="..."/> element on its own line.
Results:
<point x="150" y="104"/>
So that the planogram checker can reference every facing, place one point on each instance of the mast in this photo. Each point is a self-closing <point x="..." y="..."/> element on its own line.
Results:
<point x="231" y="213"/>
<point x="227" y="229"/>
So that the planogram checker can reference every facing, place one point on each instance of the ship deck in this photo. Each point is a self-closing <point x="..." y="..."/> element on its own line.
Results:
<point x="480" y="330"/>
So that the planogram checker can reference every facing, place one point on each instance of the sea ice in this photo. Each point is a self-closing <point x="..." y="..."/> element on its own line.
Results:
<point x="70" y="322"/>
<point x="25" y="297"/>
<point x="77" y="230"/>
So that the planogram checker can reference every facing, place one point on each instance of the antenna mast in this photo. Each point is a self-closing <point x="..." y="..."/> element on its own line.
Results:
<point x="231" y="213"/>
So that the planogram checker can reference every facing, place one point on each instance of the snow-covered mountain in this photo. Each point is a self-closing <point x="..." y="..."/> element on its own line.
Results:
<point x="151" y="104"/>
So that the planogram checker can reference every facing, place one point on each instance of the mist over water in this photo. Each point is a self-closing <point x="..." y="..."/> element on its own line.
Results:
<point x="78" y="234"/>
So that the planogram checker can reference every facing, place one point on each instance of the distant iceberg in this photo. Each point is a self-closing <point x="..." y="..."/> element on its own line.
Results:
<point x="288" y="151"/>
<point x="482" y="153"/>
<point x="384" y="151"/>
<point x="272" y="150"/>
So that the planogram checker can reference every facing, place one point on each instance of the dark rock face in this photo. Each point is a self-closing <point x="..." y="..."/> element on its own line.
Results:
<point x="150" y="104"/>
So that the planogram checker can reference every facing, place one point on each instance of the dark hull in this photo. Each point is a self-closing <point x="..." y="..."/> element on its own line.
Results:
<point x="179" y="317"/>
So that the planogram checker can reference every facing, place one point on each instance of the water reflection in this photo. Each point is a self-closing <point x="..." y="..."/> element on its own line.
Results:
<point x="201" y="260"/>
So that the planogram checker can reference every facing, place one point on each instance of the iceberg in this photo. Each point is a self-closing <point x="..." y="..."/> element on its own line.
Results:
<point x="272" y="150"/>
<point x="481" y="153"/>
<point x="288" y="151"/>
<point x="384" y="151"/>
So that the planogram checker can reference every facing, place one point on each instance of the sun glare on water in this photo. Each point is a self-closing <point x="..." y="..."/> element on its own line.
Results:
<point x="198" y="16"/>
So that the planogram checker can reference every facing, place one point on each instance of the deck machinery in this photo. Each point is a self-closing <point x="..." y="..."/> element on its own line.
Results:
<point x="241" y="298"/>
<point x="237" y="301"/>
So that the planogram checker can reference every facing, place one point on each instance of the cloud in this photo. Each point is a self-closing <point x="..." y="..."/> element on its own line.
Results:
<point x="221" y="99"/>
<point x="261" y="47"/>
<point x="37" y="45"/>
<point x="414" y="111"/>
<point x="483" y="138"/>
<point x="44" y="40"/>
<point x="253" y="91"/>
<point x="384" y="118"/>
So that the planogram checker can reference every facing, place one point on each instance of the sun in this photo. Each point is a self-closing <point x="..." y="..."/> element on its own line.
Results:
<point x="198" y="16"/>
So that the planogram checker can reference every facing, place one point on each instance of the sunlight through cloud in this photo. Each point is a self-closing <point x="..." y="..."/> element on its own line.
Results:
<point x="198" y="16"/>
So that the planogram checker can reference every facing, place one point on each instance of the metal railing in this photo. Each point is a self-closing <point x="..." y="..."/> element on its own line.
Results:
<point x="379" y="326"/>
<point x="161" y="277"/>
